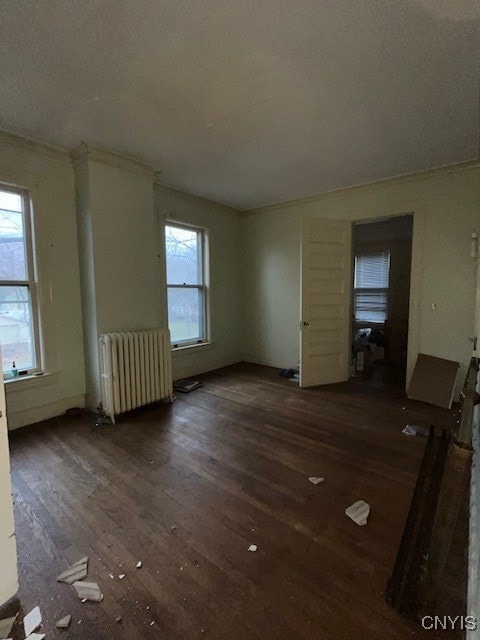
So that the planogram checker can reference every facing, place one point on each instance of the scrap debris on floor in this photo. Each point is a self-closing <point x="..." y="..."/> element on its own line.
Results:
<point x="91" y="592"/>
<point x="186" y="386"/>
<point x="414" y="430"/>
<point x="32" y="621"/>
<point x="88" y="591"/>
<point x="76" y="572"/>
<point x="359" y="512"/>
<point x="410" y="430"/>
<point x="64" y="622"/>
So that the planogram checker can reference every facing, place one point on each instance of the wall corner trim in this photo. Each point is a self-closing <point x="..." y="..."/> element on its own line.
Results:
<point x="19" y="143"/>
<point x="86" y="151"/>
<point x="190" y="199"/>
<point x="426" y="174"/>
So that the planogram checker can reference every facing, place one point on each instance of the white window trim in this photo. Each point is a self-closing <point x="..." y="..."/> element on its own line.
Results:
<point x="31" y="281"/>
<point x="31" y="381"/>
<point x="204" y="269"/>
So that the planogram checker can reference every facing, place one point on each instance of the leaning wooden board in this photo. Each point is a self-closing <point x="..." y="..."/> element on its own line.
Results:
<point x="433" y="381"/>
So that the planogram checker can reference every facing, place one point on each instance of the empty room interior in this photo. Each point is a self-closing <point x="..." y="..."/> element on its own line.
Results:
<point x="239" y="319"/>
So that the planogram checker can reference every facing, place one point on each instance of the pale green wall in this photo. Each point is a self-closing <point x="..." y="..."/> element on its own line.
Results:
<point x="226" y="318"/>
<point x="449" y="205"/>
<point x="124" y="240"/>
<point x="118" y="261"/>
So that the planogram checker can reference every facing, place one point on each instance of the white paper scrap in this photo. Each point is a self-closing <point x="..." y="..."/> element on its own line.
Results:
<point x="64" y="623"/>
<point x="359" y="512"/>
<point x="410" y="430"/>
<point x="77" y="571"/>
<point x="88" y="591"/>
<point x="32" y="621"/>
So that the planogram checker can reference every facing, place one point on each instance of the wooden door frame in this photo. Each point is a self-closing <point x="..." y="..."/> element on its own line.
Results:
<point x="416" y="272"/>
<point x="417" y="209"/>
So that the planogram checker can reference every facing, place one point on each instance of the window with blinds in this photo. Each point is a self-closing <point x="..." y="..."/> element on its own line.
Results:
<point x="372" y="272"/>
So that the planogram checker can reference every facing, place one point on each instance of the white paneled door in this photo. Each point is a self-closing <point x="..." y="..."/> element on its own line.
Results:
<point x="326" y="280"/>
<point x="8" y="550"/>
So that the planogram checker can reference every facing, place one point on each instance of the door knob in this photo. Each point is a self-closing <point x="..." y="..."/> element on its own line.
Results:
<point x="306" y="324"/>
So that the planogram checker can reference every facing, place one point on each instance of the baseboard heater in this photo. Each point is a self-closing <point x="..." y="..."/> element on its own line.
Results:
<point x="135" y="368"/>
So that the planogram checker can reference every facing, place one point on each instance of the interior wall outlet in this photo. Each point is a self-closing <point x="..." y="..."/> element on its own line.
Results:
<point x="434" y="306"/>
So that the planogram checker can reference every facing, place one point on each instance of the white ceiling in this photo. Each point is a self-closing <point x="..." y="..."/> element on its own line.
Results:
<point x="248" y="102"/>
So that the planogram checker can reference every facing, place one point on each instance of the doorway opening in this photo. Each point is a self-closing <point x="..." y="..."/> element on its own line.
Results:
<point x="382" y="256"/>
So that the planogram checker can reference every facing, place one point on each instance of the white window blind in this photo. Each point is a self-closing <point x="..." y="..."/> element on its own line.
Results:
<point x="372" y="271"/>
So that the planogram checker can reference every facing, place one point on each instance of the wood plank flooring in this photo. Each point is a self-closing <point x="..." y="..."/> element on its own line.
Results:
<point x="186" y="488"/>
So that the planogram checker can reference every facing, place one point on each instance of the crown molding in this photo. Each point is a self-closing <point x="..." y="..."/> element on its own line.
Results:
<point x="190" y="198"/>
<point x="19" y="143"/>
<point x="86" y="151"/>
<point x="427" y="174"/>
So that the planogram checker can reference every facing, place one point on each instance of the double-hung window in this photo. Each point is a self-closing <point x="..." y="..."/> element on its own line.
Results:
<point x="372" y="273"/>
<point x="186" y="288"/>
<point x="19" y="322"/>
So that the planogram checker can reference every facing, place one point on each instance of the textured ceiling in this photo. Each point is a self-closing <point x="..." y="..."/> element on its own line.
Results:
<point x="248" y="102"/>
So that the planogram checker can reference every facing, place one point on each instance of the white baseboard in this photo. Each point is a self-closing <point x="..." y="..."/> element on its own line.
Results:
<point x="24" y="417"/>
<point x="187" y="369"/>
<point x="264" y="362"/>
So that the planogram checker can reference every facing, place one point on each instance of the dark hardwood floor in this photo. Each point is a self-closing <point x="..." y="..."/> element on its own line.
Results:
<point x="186" y="488"/>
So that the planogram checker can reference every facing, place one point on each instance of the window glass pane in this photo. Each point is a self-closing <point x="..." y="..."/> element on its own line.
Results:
<point x="16" y="328"/>
<point x="370" y="306"/>
<point x="185" y="314"/>
<point x="372" y="270"/>
<point x="10" y="201"/>
<point x="183" y="256"/>
<point x="13" y="264"/>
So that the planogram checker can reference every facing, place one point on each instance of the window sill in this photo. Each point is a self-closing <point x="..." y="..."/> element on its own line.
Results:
<point x="193" y="348"/>
<point x="30" y="382"/>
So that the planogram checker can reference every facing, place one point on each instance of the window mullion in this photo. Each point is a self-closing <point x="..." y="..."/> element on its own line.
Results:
<point x="185" y="286"/>
<point x="27" y="221"/>
<point x="15" y="283"/>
